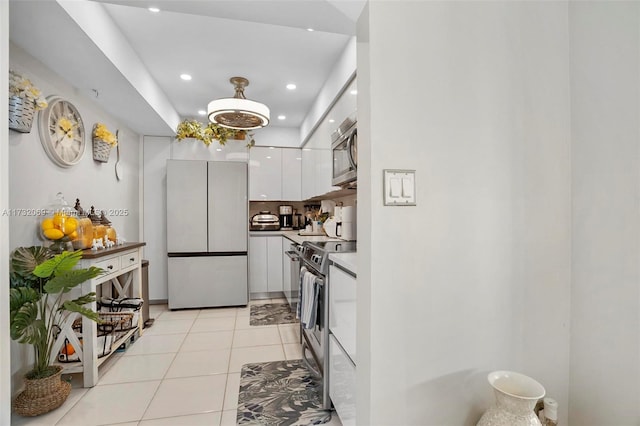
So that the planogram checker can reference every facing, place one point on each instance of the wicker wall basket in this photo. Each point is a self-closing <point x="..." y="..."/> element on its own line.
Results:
<point x="42" y="395"/>
<point x="101" y="150"/>
<point x="21" y="113"/>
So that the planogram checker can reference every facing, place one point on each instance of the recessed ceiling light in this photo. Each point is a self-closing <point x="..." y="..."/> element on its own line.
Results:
<point x="291" y="86"/>
<point x="332" y="120"/>
<point x="185" y="77"/>
<point x="202" y="112"/>
<point x="154" y="9"/>
<point x="354" y="92"/>
<point x="310" y="29"/>
<point x="282" y="117"/>
<point x="268" y="157"/>
<point x="272" y="147"/>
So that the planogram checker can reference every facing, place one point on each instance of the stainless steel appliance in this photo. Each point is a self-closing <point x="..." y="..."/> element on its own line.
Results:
<point x="207" y="206"/>
<point x="291" y="271"/>
<point x="344" y="144"/>
<point x="286" y="217"/>
<point x="314" y="266"/>
<point x="264" y="221"/>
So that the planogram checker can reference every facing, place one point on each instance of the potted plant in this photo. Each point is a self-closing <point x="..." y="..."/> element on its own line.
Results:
<point x="103" y="140"/>
<point x="24" y="100"/>
<point x="39" y="305"/>
<point x="196" y="130"/>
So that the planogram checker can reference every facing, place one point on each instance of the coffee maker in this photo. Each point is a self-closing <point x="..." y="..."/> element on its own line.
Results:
<point x="286" y="217"/>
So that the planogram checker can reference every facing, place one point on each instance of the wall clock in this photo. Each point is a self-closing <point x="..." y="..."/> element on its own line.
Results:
<point x="61" y="132"/>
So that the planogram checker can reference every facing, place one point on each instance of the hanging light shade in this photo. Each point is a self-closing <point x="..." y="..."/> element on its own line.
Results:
<point x="238" y="112"/>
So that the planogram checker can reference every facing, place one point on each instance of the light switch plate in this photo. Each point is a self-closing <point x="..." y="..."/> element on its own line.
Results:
<point x="399" y="187"/>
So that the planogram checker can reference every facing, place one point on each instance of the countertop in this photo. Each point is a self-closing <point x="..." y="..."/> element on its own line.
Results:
<point x="292" y="235"/>
<point x="348" y="261"/>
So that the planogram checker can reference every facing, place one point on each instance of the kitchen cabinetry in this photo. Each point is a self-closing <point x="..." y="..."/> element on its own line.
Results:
<point x="275" y="174"/>
<point x="342" y="346"/>
<point x="291" y="174"/>
<point x="124" y="262"/>
<point x="265" y="265"/>
<point x="265" y="174"/>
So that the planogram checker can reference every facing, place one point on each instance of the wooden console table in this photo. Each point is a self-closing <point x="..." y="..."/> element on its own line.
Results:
<point x="124" y="262"/>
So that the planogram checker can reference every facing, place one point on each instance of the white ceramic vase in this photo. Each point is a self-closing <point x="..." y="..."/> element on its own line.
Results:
<point x="516" y="397"/>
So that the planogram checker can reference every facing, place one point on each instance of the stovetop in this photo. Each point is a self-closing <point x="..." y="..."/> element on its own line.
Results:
<point x="315" y="254"/>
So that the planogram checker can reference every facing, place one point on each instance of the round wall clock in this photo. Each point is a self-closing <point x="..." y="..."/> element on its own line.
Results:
<point x="61" y="132"/>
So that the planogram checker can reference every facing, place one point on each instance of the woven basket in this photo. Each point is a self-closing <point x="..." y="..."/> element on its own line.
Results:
<point x="42" y="395"/>
<point x="101" y="150"/>
<point x="21" y="113"/>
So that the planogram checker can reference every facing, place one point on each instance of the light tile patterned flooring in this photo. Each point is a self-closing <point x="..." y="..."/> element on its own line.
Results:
<point x="184" y="371"/>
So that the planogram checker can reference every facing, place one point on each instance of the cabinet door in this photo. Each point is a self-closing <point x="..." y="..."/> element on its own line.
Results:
<point x="274" y="264"/>
<point x="308" y="173"/>
<point x="265" y="174"/>
<point x="291" y="174"/>
<point x="186" y="206"/>
<point x="227" y="209"/>
<point x="258" y="265"/>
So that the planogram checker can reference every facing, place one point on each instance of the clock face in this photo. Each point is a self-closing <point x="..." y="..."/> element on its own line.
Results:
<point x="61" y="132"/>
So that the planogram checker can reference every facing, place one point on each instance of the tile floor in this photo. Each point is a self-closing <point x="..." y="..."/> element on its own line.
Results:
<point x="184" y="371"/>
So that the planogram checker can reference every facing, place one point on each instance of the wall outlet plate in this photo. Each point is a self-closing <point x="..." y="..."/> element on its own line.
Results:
<point x="399" y="187"/>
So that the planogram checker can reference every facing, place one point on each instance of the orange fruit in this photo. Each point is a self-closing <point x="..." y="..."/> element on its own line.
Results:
<point x="53" y="234"/>
<point x="68" y="349"/>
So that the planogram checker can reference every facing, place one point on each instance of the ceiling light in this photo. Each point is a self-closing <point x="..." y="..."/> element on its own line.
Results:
<point x="238" y="112"/>
<point x="185" y="77"/>
<point x="291" y="86"/>
<point x="202" y="112"/>
<point x="154" y="9"/>
<point x="282" y="117"/>
<point x="310" y="29"/>
<point x="332" y="121"/>
<point x="354" y="92"/>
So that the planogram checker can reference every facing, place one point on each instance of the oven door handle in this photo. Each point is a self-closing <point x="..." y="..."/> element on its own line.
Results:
<point x="293" y="255"/>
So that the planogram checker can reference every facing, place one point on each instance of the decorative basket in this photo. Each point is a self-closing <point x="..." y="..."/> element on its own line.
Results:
<point x="42" y="395"/>
<point x="101" y="150"/>
<point x="21" y="113"/>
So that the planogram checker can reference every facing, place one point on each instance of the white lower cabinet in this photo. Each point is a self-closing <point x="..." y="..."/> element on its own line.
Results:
<point x="265" y="264"/>
<point x="342" y="382"/>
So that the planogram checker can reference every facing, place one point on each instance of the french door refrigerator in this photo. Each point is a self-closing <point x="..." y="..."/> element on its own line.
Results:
<point x="207" y="233"/>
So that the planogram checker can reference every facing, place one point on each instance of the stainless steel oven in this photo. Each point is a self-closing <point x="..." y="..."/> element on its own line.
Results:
<point x="314" y="301"/>
<point x="344" y="145"/>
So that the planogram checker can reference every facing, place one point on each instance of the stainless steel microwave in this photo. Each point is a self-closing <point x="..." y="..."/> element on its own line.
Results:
<point x="344" y="145"/>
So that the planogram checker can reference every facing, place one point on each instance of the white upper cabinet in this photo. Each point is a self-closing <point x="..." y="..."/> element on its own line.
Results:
<point x="265" y="174"/>
<point x="291" y="174"/>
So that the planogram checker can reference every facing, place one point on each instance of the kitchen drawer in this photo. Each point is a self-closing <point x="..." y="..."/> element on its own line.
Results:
<point x="110" y="266"/>
<point x="129" y="259"/>
<point x="342" y="308"/>
<point x="342" y="383"/>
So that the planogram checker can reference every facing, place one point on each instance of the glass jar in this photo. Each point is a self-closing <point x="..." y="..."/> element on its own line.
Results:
<point x="58" y="226"/>
<point x="84" y="238"/>
<point x="110" y="231"/>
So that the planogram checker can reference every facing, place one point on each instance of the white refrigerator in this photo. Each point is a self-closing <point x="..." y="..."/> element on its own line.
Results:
<point x="207" y="232"/>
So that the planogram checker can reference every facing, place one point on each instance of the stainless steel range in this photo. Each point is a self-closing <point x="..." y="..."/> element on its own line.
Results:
<point x="314" y="305"/>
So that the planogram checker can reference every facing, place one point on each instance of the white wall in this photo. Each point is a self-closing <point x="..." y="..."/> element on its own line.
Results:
<point x="5" y="353"/>
<point x="34" y="179"/>
<point x="605" y="306"/>
<point x="476" y="277"/>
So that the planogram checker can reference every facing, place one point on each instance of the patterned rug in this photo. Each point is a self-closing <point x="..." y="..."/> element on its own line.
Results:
<point x="272" y="313"/>
<point x="280" y="393"/>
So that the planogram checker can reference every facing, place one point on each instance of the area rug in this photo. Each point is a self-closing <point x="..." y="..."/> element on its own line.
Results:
<point x="272" y="313"/>
<point x="280" y="393"/>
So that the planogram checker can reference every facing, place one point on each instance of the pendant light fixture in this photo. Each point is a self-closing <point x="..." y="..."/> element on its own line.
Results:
<point x="238" y="112"/>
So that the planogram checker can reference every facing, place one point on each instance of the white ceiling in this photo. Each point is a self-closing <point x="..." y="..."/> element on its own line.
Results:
<point x="265" y="41"/>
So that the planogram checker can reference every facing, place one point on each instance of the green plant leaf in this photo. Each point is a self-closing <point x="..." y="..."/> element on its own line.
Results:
<point x="62" y="262"/>
<point x="25" y="326"/>
<point x="66" y="280"/>
<point x="25" y="259"/>
<point x="85" y="299"/>
<point x="71" y="305"/>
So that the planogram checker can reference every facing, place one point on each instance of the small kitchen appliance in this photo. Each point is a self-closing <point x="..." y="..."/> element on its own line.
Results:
<point x="345" y="223"/>
<point x="344" y="145"/>
<point x="314" y="267"/>
<point x="264" y="221"/>
<point x="286" y="217"/>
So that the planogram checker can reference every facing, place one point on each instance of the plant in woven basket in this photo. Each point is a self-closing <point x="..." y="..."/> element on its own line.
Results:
<point x="39" y="303"/>
<point x="207" y="134"/>
<point x="23" y="88"/>
<point x="104" y="134"/>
